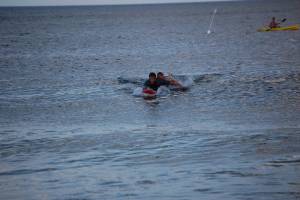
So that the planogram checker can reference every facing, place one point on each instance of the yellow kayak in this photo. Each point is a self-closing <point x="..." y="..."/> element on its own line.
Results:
<point x="287" y="28"/>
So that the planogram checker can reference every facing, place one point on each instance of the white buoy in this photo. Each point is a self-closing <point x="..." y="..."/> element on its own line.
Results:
<point x="211" y="21"/>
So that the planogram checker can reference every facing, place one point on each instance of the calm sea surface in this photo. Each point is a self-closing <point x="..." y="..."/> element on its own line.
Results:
<point x="70" y="127"/>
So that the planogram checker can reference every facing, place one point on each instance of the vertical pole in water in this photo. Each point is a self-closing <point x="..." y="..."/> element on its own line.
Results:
<point x="211" y="21"/>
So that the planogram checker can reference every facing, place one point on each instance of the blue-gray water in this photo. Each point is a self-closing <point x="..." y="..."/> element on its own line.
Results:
<point x="71" y="129"/>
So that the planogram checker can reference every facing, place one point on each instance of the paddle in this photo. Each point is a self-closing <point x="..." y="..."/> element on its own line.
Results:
<point x="283" y="20"/>
<point x="211" y="21"/>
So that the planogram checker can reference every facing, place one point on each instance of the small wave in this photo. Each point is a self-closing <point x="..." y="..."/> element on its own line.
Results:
<point x="279" y="78"/>
<point x="203" y="78"/>
<point x="133" y="80"/>
<point x="236" y="173"/>
<point x="203" y="190"/>
<point x="112" y="183"/>
<point x="276" y="80"/>
<point x="26" y="171"/>
<point x="295" y="159"/>
<point x="285" y="161"/>
<point x="145" y="182"/>
<point x="21" y="96"/>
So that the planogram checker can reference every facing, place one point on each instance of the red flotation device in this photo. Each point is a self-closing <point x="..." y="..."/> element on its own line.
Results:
<point x="149" y="92"/>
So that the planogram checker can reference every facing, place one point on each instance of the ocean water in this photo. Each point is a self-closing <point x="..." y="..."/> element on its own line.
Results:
<point x="70" y="127"/>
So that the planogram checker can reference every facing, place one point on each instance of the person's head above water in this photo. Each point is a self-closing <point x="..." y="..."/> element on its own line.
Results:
<point x="160" y="75"/>
<point x="273" y="18"/>
<point x="152" y="77"/>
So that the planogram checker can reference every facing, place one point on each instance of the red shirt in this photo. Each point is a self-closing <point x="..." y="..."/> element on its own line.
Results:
<point x="273" y="24"/>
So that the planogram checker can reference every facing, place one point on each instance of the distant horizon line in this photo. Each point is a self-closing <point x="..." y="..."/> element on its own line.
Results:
<point x="121" y="4"/>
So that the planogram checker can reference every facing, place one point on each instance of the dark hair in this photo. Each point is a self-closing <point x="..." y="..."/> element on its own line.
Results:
<point x="160" y="74"/>
<point x="152" y="74"/>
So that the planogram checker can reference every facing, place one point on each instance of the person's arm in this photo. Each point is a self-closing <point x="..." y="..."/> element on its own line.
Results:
<point x="146" y="84"/>
<point x="172" y="81"/>
<point x="176" y="83"/>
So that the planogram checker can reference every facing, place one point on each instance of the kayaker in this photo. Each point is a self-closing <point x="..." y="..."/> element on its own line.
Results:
<point x="166" y="81"/>
<point x="273" y="23"/>
<point x="151" y="83"/>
